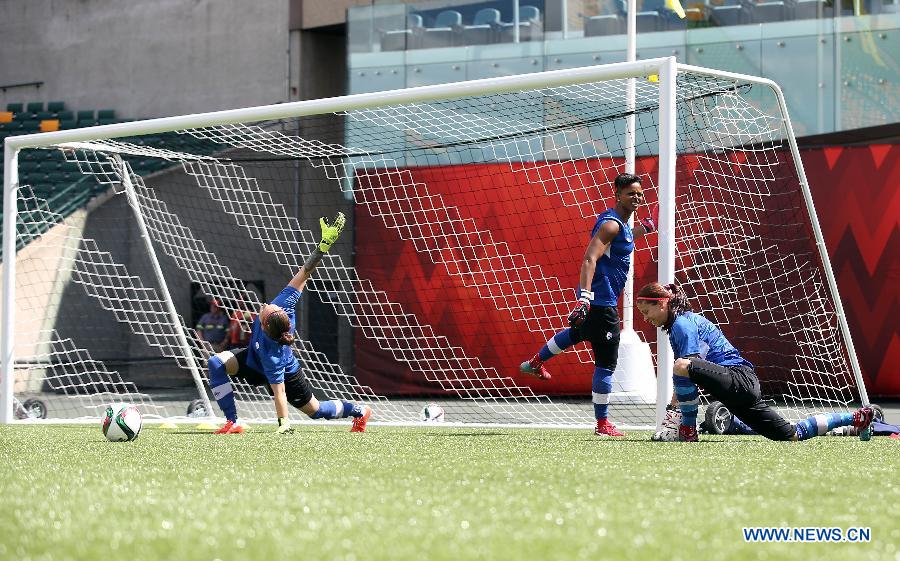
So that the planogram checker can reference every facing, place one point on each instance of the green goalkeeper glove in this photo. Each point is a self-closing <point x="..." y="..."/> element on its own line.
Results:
<point x="284" y="426"/>
<point x="331" y="232"/>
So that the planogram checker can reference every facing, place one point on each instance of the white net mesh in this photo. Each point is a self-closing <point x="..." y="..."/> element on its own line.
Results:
<point x="468" y="220"/>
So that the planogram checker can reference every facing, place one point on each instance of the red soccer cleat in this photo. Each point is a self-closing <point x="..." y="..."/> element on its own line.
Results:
<point x="862" y="418"/>
<point x="230" y="427"/>
<point x="359" y="423"/>
<point x="688" y="434"/>
<point x="535" y="367"/>
<point x="605" y="428"/>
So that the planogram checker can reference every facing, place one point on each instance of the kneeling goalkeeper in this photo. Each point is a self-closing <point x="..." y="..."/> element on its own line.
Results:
<point x="269" y="358"/>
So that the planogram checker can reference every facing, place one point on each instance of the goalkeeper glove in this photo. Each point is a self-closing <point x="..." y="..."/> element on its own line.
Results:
<point x="649" y="223"/>
<point x="582" y="307"/>
<point x="331" y="232"/>
<point x="284" y="426"/>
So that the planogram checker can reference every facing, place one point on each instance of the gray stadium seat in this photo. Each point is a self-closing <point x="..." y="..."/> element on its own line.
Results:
<point x="606" y="24"/>
<point x="403" y="39"/>
<point x="484" y="27"/>
<point x="726" y="15"/>
<point x="443" y="33"/>
<point x="766" y="12"/>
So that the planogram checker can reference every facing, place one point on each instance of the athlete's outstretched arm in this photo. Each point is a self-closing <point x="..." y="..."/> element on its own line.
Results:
<point x="330" y="234"/>
<point x="597" y="247"/>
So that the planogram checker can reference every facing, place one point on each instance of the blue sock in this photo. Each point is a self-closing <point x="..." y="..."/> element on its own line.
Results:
<point x="557" y="344"/>
<point x="601" y="385"/>
<point x="335" y="409"/>
<point x="221" y="387"/>
<point x="688" y="399"/>
<point x="820" y="424"/>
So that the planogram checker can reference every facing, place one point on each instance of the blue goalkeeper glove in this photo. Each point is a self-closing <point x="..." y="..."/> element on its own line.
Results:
<point x="582" y="307"/>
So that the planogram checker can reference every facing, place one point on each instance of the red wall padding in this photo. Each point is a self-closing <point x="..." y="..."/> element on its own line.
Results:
<point x="857" y="200"/>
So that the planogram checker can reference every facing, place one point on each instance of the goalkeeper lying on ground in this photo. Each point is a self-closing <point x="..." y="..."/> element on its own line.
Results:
<point x="269" y="358"/>
<point x="705" y="358"/>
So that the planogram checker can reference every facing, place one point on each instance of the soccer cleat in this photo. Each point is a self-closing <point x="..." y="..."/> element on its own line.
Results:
<point x="605" y="428"/>
<point x="669" y="430"/>
<point x="862" y="421"/>
<point x="535" y="367"/>
<point x="688" y="434"/>
<point x="359" y="423"/>
<point x="230" y="427"/>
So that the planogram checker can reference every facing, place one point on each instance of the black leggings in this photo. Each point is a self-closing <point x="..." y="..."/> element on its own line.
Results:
<point x="296" y="387"/>
<point x="601" y="328"/>
<point x="737" y="387"/>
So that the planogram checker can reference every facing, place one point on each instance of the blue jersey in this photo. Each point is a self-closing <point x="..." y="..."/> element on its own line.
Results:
<point x="693" y="334"/>
<point x="612" y="267"/>
<point x="267" y="355"/>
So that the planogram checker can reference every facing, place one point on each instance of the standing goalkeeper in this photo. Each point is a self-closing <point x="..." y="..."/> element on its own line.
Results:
<point x="269" y="358"/>
<point x="595" y="317"/>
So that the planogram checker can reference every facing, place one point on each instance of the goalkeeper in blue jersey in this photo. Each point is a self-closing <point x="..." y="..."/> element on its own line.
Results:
<point x="269" y="358"/>
<point x="595" y="317"/>
<point x="704" y="358"/>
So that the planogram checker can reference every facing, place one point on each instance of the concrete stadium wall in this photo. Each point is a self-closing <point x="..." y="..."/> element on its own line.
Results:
<point x="146" y="59"/>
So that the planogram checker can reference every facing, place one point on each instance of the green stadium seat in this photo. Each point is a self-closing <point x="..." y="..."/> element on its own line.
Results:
<point x="56" y="106"/>
<point x="57" y="177"/>
<point x="43" y="115"/>
<point x="65" y="115"/>
<point x="68" y="124"/>
<point x="85" y="116"/>
<point x="106" y="114"/>
<point x="15" y="107"/>
<point x="35" y="107"/>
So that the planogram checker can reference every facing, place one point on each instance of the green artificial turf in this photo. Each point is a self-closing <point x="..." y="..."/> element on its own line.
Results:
<point x="431" y="494"/>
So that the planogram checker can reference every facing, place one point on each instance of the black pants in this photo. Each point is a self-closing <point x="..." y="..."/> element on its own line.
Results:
<point x="737" y="387"/>
<point x="296" y="386"/>
<point x="601" y="329"/>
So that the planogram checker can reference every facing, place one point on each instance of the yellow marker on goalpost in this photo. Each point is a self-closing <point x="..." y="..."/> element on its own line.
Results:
<point x="675" y="6"/>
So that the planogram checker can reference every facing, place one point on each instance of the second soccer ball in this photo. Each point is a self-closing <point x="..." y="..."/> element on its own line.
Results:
<point x="432" y="413"/>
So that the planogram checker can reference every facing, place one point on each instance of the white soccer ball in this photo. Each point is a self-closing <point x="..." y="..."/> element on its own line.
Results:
<point x="433" y="413"/>
<point x="121" y="422"/>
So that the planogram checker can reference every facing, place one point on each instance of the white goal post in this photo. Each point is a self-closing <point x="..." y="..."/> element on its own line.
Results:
<point x="212" y="198"/>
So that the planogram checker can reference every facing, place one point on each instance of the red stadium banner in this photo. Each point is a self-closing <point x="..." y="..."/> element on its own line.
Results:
<point x="857" y="202"/>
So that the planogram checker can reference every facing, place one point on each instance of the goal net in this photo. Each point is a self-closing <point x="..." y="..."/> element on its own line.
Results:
<point x="469" y="207"/>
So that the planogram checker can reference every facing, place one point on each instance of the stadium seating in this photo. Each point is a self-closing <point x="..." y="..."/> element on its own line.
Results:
<point x="404" y="39"/>
<point x="51" y="177"/>
<point x="484" y="28"/>
<point x="443" y="34"/>
<point x="449" y="28"/>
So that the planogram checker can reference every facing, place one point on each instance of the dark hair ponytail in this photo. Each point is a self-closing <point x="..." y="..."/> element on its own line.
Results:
<point x="278" y="327"/>
<point x="678" y="302"/>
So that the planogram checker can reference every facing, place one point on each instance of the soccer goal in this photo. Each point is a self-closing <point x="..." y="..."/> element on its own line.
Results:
<point x="469" y="206"/>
